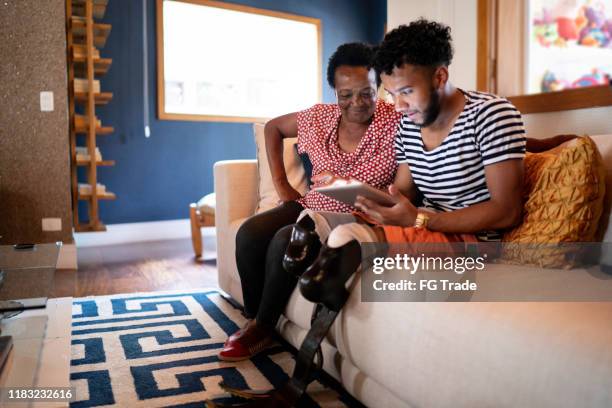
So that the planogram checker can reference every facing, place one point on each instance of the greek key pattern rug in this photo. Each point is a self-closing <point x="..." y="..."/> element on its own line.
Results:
<point x="160" y="350"/>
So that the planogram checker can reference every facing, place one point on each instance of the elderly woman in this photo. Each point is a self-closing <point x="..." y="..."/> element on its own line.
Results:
<point x="351" y="139"/>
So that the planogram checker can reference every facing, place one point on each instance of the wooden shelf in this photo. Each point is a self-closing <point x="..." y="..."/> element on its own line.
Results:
<point x="84" y="38"/>
<point x="101" y="32"/>
<point x="100" y="130"/>
<point x="101" y="66"/>
<point x="90" y="227"/>
<point x="106" y="196"/>
<point x="99" y="8"/>
<point x="578" y="98"/>
<point x="101" y="98"/>
<point x="98" y="163"/>
<point x="99" y="41"/>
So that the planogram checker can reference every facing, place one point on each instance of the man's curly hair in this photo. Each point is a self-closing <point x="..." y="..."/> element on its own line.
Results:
<point x="351" y="54"/>
<point x="422" y="42"/>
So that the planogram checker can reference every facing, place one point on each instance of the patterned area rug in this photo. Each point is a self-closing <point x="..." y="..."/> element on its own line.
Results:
<point x="160" y="349"/>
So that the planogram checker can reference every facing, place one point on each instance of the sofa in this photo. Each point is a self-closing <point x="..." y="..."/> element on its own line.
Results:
<point x="438" y="354"/>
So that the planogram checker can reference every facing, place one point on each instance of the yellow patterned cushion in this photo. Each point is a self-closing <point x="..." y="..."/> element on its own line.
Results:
<point x="564" y="192"/>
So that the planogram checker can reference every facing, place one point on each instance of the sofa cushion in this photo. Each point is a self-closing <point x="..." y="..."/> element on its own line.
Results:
<point x="604" y="145"/>
<point x="207" y="204"/>
<point x="482" y="354"/>
<point x="268" y="198"/>
<point x="564" y="193"/>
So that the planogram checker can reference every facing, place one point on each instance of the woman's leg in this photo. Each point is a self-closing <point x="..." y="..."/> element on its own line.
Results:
<point x="279" y="283"/>
<point x="252" y="241"/>
<point x="265" y="295"/>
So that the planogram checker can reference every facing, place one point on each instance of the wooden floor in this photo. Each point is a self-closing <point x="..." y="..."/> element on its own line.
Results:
<point x="138" y="267"/>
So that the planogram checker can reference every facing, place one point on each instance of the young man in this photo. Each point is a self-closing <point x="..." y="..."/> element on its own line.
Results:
<point x="463" y="150"/>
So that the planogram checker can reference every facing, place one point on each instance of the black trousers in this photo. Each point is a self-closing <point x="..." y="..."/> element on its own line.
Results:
<point x="261" y="242"/>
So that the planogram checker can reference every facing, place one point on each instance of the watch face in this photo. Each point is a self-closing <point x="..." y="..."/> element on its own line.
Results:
<point x="421" y="220"/>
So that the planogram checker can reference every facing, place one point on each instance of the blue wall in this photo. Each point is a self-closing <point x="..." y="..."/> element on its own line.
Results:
<point x="156" y="178"/>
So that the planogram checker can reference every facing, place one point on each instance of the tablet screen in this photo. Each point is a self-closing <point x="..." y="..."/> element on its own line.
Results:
<point x="347" y="193"/>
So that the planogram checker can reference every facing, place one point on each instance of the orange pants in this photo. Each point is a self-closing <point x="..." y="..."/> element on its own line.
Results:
<point x="399" y="235"/>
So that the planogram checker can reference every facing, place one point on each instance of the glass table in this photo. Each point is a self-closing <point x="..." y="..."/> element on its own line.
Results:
<point x="26" y="274"/>
<point x="34" y="333"/>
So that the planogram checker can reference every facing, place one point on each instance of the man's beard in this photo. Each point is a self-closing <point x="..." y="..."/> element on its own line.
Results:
<point x="433" y="109"/>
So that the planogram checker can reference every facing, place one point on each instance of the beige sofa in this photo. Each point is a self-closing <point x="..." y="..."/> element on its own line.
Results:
<point x="417" y="354"/>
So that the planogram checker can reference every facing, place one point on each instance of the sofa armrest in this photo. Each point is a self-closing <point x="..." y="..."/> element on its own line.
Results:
<point x="235" y="189"/>
<point x="236" y="185"/>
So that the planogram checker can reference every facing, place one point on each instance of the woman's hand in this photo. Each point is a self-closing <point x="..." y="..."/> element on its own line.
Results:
<point x="403" y="213"/>
<point x="326" y="177"/>
<point x="323" y="178"/>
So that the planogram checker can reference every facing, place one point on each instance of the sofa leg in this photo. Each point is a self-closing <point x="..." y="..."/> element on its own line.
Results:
<point x="196" y="233"/>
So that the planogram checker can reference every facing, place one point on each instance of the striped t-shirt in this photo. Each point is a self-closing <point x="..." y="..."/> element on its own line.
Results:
<point x="489" y="130"/>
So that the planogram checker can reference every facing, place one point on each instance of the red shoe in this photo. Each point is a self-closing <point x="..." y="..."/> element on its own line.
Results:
<point x="238" y="333"/>
<point x="250" y="342"/>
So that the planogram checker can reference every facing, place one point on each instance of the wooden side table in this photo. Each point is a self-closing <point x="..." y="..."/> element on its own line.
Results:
<point x="201" y="214"/>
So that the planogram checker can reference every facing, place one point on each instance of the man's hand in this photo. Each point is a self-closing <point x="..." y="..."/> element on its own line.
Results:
<point x="403" y="213"/>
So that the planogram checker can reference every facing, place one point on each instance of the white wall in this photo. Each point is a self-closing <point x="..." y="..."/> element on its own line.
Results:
<point x="461" y="16"/>
<point x="594" y="121"/>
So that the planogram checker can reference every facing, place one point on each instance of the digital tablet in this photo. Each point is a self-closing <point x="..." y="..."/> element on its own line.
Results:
<point x="347" y="193"/>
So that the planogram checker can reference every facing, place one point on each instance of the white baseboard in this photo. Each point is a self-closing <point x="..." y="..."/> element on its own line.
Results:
<point x="67" y="258"/>
<point x="116" y="234"/>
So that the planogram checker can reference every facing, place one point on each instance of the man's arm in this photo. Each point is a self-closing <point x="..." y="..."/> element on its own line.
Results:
<point x="505" y="184"/>
<point x="500" y="138"/>
<point x="404" y="183"/>
<point x="502" y="210"/>
<point x="275" y="131"/>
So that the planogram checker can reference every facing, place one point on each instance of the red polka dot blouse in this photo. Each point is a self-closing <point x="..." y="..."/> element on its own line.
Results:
<point x="373" y="162"/>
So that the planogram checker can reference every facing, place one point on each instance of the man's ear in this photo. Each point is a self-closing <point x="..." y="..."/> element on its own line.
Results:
<point x="440" y="77"/>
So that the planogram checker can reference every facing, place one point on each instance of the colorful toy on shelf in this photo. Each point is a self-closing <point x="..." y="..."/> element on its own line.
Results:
<point x="545" y="28"/>
<point x="607" y="30"/>
<point x="564" y="13"/>
<point x="580" y="20"/>
<point x="596" y="77"/>
<point x="592" y="34"/>
<point x="546" y="34"/>
<point x="550" y="83"/>
<point x="567" y="29"/>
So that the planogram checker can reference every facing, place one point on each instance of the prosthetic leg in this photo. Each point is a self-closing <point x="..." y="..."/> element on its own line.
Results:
<point x="322" y="283"/>
<point x="303" y="247"/>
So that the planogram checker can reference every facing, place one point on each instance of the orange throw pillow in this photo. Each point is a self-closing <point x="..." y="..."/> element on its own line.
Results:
<point x="564" y="192"/>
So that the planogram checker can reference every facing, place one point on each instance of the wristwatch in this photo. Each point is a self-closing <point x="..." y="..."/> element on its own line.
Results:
<point x="421" y="220"/>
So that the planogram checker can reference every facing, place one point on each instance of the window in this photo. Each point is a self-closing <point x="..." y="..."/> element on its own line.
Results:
<point x="569" y="44"/>
<point x="546" y="55"/>
<point x="226" y="62"/>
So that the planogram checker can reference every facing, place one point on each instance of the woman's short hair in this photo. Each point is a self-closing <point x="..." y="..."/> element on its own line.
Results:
<point x="351" y="54"/>
<point x="422" y="42"/>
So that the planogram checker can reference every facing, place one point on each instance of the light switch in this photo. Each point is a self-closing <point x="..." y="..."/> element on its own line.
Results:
<point x="51" y="224"/>
<point x="46" y="101"/>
